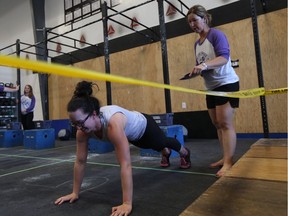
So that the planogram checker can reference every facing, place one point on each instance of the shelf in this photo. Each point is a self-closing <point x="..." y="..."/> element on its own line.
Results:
<point x="8" y="110"/>
<point x="5" y="115"/>
<point x="7" y="97"/>
<point x="8" y="107"/>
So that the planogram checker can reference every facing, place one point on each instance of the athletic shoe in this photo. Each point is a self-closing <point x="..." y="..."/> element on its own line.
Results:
<point x="165" y="160"/>
<point x="185" y="161"/>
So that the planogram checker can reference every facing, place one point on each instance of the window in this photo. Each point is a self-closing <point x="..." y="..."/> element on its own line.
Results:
<point x="76" y="10"/>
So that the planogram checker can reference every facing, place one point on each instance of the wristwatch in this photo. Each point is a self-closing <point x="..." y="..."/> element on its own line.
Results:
<point x="205" y="65"/>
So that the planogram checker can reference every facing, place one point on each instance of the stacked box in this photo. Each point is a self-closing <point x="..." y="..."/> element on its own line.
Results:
<point x="11" y="138"/>
<point x="163" y="119"/>
<point x="42" y="124"/>
<point x="175" y="131"/>
<point x="98" y="146"/>
<point x="60" y="124"/>
<point x="13" y="126"/>
<point x="39" y="138"/>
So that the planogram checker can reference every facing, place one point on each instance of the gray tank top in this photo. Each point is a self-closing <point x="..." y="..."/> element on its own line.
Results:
<point x="135" y="126"/>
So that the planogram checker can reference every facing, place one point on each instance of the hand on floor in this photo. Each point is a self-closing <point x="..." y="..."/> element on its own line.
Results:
<point x="122" y="210"/>
<point x="70" y="197"/>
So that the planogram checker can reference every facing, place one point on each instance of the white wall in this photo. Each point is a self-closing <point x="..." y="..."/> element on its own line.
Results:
<point x="16" y="23"/>
<point x="146" y="14"/>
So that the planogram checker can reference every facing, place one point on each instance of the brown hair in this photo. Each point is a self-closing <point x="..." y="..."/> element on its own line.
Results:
<point x="30" y="94"/>
<point x="201" y="12"/>
<point x="83" y="99"/>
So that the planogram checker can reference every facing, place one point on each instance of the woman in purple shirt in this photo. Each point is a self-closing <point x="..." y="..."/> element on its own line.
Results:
<point x="27" y="108"/>
<point x="213" y="63"/>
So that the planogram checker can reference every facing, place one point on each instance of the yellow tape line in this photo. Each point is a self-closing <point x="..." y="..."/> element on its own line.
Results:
<point x="69" y="71"/>
<point x="276" y="91"/>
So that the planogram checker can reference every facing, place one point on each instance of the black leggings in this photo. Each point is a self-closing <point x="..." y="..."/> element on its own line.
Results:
<point x="154" y="138"/>
<point x="27" y="121"/>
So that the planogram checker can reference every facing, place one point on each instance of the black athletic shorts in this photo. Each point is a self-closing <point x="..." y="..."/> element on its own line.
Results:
<point x="213" y="101"/>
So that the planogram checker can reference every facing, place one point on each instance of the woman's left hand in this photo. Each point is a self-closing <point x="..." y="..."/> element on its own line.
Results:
<point x="122" y="210"/>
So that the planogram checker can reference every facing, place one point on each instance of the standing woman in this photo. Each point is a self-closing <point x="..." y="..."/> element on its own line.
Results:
<point x="213" y="63"/>
<point x="27" y="108"/>
<point x="121" y="127"/>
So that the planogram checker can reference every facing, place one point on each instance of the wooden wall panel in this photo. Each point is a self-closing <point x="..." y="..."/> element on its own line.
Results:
<point x="181" y="60"/>
<point x="60" y="92"/>
<point x="242" y="48"/>
<point x="61" y="89"/>
<point x="273" y="33"/>
<point x="98" y="65"/>
<point x="145" y="63"/>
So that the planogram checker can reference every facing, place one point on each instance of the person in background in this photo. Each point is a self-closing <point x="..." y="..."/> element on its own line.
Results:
<point x="27" y="108"/>
<point x="213" y="63"/>
<point x="121" y="127"/>
<point x="9" y="89"/>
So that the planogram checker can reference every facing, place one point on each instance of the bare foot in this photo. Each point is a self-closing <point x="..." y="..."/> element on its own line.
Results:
<point x="216" y="164"/>
<point x="223" y="170"/>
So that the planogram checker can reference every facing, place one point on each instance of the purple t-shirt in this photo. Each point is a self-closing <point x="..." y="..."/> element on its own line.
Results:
<point x="1" y="88"/>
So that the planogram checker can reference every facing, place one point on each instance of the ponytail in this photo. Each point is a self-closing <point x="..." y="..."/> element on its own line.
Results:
<point x="82" y="98"/>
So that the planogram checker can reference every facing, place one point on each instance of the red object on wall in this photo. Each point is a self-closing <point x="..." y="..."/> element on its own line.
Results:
<point x="171" y="11"/>
<point x="58" y="48"/>
<point x="111" y="30"/>
<point x="134" y="22"/>
<point x="82" y="40"/>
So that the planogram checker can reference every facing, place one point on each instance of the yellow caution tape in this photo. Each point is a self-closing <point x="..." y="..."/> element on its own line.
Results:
<point x="69" y="71"/>
<point x="240" y="94"/>
<point x="276" y="91"/>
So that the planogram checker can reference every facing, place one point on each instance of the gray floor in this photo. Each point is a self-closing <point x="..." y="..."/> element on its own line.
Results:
<point x="30" y="180"/>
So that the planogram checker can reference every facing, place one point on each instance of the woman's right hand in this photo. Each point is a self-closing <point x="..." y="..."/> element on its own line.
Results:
<point x="70" y="197"/>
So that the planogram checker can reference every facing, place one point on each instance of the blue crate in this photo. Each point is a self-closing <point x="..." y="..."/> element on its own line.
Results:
<point x="98" y="146"/>
<point x="14" y="126"/>
<point x="163" y="119"/>
<point x="39" y="138"/>
<point x="175" y="131"/>
<point x="59" y="124"/>
<point x="11" y="138"/>
<point x="42" y="124"/>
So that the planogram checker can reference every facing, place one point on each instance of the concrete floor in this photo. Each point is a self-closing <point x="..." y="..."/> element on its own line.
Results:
<point x="31" y="180"/>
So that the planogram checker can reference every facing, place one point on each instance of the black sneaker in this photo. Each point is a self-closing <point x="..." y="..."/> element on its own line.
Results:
<point x="165" y="160"/>
<point x="185" y="162"/>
